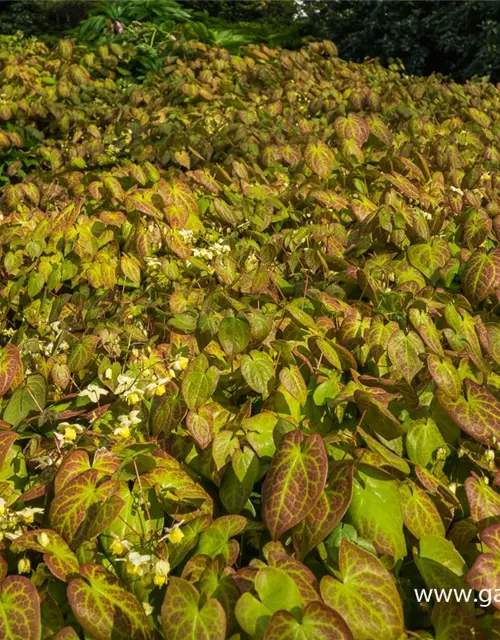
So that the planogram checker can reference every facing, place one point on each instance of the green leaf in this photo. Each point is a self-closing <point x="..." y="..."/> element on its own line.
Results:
<point x="427" y="258"/>
<point x="420" y="514"/>
<point x="319" y="158"/>
<point x="404" y="351"/>
<point x="234" y="335"/>
<point x="422" y="441"/>
<point x="239" y="479"/>
<point x="216" y="539"/>
<point x="31" y="397"/>
<point x="292" y="380"/>
<point x="19" y="609"/>
<point x="105" y="610"/>
<point x="445" y="376"/>
<point x="378" y="417"/>
<point x="294" y="481"/>
<point x="258" y="370"/>
<point x="199" y="385"/>
<point x="375" y="511"/>
<point x="365" y="595"/>
<point x="82" y="352"/>
<point x="185" y="615"/>
<point x="440" y="564"/>
<point x="318" y="622"/>
<point x="35" y="284"/>
<point x="253" y="616"/>
<point x="277" y="590"/>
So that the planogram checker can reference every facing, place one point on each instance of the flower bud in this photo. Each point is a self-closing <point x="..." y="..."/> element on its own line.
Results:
<point x="24" y="565"/>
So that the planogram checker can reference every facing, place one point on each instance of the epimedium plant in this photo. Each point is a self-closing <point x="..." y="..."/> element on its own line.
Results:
<point x="249" y="366"/>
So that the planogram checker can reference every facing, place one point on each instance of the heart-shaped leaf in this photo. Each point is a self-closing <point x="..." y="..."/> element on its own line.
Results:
<point x="479" y="415"/>
<point x="319" y="622"/>
<point x="104" y="608"/>
<point x="294" y="481"/>
<point x="19" y="609"/>
<point x="327" y="511"/>
<point x="56" y="553"/>
<point x="185" y="615"/>
<point x="365" y="595"/>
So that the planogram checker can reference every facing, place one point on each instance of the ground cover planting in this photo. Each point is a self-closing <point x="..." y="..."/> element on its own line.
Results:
<point x="250" y="351"/>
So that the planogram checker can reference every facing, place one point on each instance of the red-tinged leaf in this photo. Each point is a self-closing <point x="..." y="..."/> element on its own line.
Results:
<point x="319" y="158"/>
<point x="10" y="362"/>
<point x="420" y="514"/>
<point x="139" y="202"/>
<point x="82" y="352"/>
<point x="484" y="501"/>
<point x="294" y="481"/>
<point x="482" y="275"/>
<point x="376" y="416"/>
<point x="329" y="199"/>
<point x="105" y="610"/>
<point x="74" y="463"/>
<point x="445" y="376"/>
<point x="404" y="351"/>
<point x="113" y="218"/>
<point x="365" y="596"/>
<point x="19" y="609"/>
<point x="7" y="439"/>
<point x="428" y="258"/>
<point x="318" y="622"/>
<point x="185" y="615"/>
<point x="353" y="127"/>
<point x="479" y="415"/>
<point x="491" y="537"/>
<point x="56" y="554"/>
<point x="291" y="378"/>
<point x="199" y="425"/>
<point x="78" y="504"/>
<point x="485" y="576"/>
<point x="131" y="267"/>
<point x="426" y="329"/>
<point x="380" y="130"/>
<point x="328" y="510"/>
<point x="68" y="633"/>
<point x="178" y="491"/>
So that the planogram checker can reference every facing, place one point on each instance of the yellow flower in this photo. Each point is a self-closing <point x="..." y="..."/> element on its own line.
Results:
<point x="162" y="569"/>
<point x="175" y="536"/>
<point x="2" y="507"/>
<point x="70" y="434"/>
<point x="161" y="390"/>
<point x="122" y="432"/>
<point x="117" y="547"/>
<point x="159" y="580"/>
<point x="134" y="398"/>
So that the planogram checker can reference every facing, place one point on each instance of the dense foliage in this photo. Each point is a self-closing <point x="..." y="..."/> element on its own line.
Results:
<point x="249" y="367"/>
<point x="461" y="39"/>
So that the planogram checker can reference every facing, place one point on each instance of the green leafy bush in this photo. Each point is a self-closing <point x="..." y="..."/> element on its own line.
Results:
<point x="249" y="362"/>
<point x="460" y="39"/>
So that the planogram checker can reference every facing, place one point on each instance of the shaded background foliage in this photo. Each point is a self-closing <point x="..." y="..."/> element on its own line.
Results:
<point x="456" y="38"/>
